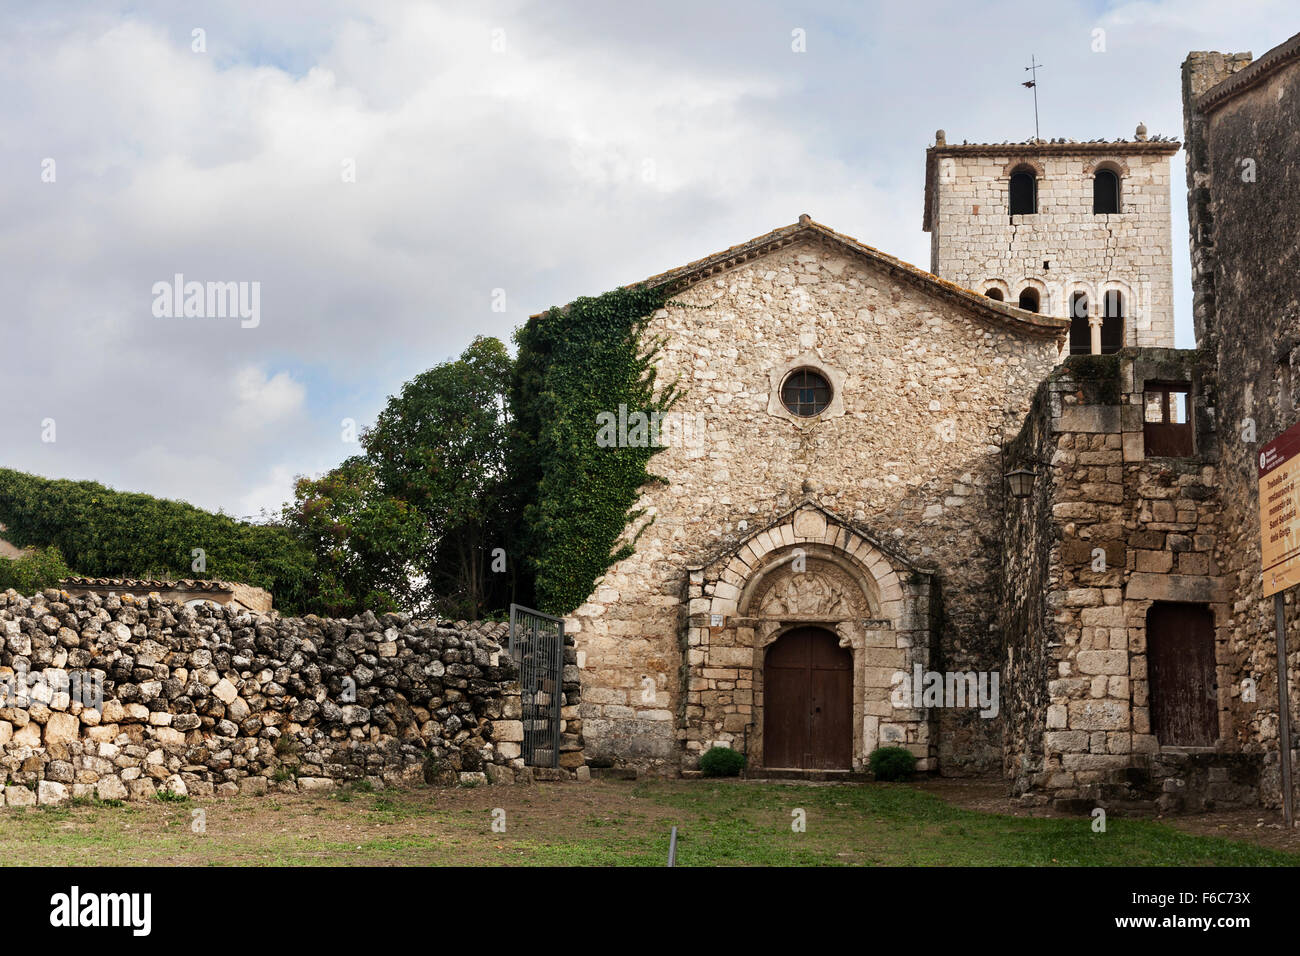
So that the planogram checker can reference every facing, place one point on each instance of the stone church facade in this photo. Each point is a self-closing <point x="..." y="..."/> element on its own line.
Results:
<point x="841" y="518"/>
<point x="772" y="522"/>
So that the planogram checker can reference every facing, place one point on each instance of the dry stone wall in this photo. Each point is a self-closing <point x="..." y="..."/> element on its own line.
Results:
<point x="121" y="697"/>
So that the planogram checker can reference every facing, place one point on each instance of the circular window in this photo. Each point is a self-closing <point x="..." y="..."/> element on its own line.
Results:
<point x="805" y="393"/>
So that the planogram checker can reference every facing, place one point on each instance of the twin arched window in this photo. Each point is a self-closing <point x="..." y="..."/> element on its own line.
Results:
<point x="1022" y="192"/>
<point x="1112" y="323"/>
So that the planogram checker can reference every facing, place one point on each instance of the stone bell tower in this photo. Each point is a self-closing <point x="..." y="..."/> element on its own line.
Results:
<point x="1075" y="230"/>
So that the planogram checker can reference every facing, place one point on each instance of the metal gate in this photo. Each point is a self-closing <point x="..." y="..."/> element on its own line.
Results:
<point x="537" y="645"/>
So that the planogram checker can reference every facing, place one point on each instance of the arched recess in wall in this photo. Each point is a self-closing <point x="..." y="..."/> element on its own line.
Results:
<point x="1080" y="327"/>
<point x="1033" y="296"/>
<point x="1106" y="178"/>
<point x="1022" y="191"/>
<point x="995" y="289"/>
<point x="1116" y="306"/>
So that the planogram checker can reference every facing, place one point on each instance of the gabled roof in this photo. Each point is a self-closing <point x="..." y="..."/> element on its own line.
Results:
<point x="1028" y="323"/>
<point x="1155" y="145"/>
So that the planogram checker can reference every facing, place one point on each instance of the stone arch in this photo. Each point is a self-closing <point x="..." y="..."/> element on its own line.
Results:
<point x="1026" y="163"/>
<point x="1046" y="302"/>
<point x="807" y="569"/>
<point x="1115" y="165"/>
<point x="987" y="285"/>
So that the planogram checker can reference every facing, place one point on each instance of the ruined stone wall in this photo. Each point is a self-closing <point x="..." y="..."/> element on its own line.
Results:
<point x="911" y="453"/>
<point x="119" y="698"/>
<point x="1110" y="531"/>
<point x="1031" y="557"/>
<point x="1063" y="248"/>
<point x="1244" y="194"/>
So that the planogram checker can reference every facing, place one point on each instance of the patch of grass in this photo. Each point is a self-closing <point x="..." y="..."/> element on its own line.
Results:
<point x="603" y="823"/>
<point x="170" y="796"/>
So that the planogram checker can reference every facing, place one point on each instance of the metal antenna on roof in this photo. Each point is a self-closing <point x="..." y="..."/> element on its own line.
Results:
<point x="1034" y="67"/>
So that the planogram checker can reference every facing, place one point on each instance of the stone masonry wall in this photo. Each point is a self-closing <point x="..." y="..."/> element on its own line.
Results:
<point x="911" y="453"/>
<point x="1109" y="531"/>
<point x="221" y="700"/>
<point x="1243" y="123"/>
<point x="1063" y="248"/>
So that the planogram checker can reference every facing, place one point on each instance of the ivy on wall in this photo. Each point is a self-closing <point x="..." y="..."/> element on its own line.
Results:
<point x="578" y="495"/>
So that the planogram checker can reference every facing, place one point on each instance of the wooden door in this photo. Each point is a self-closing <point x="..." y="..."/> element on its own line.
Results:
<point x="1181" y="674"/>
<point x="808" y="702"/>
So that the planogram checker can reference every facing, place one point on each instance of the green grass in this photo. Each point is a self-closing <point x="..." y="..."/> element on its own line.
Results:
<point x="726" y="823"/>
<point x="901" y="825"/>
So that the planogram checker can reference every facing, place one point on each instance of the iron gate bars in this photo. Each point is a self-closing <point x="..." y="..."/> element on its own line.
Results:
<point x="537" y="646"/>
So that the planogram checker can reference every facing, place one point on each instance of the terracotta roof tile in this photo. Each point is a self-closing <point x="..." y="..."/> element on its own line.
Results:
<point x="137" y="584"/>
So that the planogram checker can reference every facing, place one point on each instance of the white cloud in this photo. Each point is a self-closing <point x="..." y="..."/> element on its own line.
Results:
<point x="524" y="170"/>
<point x="261" y="400"/>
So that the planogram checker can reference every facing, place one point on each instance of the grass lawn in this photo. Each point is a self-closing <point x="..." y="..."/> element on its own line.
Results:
<point x="599" y="823"/>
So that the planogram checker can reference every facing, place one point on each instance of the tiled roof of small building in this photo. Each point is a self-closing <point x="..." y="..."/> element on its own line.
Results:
<point x="140" y="584"/>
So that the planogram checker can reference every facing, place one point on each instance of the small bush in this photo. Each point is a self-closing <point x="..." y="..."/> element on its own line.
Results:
<point x="892" y="763"/>
<point x="722" y="762"/>
<point x="34" y="571"/>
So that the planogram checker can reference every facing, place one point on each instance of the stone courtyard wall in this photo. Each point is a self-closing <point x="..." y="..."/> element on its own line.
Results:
<point x="910" y="455"/>
<point x="121" y="697"/>
<point x="1109" y="531"/>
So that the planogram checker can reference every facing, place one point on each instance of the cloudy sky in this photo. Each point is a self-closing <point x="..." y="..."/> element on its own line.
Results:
<point x="389" y="172"/>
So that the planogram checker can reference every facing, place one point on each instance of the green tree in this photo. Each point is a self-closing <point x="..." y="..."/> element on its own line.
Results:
<point x="362" y="538"/>
<point x="414" y="521"/>
<point x="440" y="447"/>
<point x="107" y="533"/>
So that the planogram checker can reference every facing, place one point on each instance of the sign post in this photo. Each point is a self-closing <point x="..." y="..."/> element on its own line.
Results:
<point x="1279" y="538"/>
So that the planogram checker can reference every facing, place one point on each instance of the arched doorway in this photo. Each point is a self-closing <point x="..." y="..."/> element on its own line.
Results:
<point x="808" y="702"/>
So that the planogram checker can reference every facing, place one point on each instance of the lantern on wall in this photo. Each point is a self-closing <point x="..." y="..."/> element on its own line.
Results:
<point x="1021" y="482"/>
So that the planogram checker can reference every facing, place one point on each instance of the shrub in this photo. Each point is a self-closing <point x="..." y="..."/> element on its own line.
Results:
<point x="892" y="763"/>
<point x="33" y="571"/>
<point x="722" y="762"/>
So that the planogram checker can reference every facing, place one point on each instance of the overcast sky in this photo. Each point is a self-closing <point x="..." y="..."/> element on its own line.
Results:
<point x="548" y="150"/>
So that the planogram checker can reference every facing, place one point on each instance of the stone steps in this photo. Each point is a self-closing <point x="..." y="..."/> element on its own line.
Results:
<point x="823" y="776"/>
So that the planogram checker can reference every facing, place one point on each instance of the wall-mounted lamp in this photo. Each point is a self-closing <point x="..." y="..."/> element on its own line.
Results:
<point x="1021" y="481"/>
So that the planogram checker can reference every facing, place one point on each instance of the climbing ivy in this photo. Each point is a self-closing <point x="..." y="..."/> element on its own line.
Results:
<point x="578" y="497"/>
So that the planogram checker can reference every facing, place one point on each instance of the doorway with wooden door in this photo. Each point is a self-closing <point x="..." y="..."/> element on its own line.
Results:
<point x="1183" y="688"/>
<point x="808" y="702"/>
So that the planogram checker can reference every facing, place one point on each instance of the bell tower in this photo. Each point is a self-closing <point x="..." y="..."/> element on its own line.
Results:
<point x="1076" y="230"/>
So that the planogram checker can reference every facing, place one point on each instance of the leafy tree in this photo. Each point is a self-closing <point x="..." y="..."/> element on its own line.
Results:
<point x="440" y="446"/>
<point x="415" y="520"/>
<point x="361" y="537"/>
